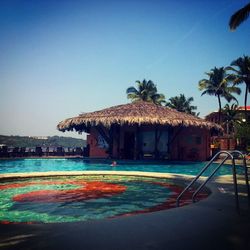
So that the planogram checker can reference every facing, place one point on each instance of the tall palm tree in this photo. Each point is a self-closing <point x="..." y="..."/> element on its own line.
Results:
<point x="242" y="75"/>
<point x="239" y="16"/>
<point x="182" y="104"/>
<point x="217" y="85"/>
<point x="146" y="91"/>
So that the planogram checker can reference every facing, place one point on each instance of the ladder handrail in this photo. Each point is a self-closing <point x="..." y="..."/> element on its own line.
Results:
<point x="244" y="159"/>
<point x="248" y="159"/>
<point x="244" y="165"/>
<point x="201" y="172"/>
<point x="208" y="178"/>
<point x="234" y="175"/>
<point x="229" y="154"/>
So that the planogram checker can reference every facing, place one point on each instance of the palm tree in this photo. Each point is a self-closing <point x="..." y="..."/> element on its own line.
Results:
<point x="232" y="117"/>
<point x="239" y="16"/>
<point x="182" y="104"/>
<point x="242" y="75"/>
<point x="218" y="85"/>
<point x="158" y="99"/>
<point x="146" y="91"/>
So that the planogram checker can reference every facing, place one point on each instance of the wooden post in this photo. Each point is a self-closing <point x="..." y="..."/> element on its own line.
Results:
<point x="137" y="143"/>
<point x="156" y="144"/>
<point x="111" y="141"/>
<point x="118" y="131"/>
<point x="174" y="136"/>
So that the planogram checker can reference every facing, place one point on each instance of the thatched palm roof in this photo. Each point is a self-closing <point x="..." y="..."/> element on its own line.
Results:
<point x="134" y="113"/>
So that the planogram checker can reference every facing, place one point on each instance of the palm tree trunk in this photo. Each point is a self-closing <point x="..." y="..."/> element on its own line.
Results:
<point x="219" y="108"/>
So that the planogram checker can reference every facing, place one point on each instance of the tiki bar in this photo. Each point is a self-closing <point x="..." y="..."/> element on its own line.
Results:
<point x="143" y="130"/>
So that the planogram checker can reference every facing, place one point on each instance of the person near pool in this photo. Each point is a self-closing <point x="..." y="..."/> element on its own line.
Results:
<point x="114" y="163"/>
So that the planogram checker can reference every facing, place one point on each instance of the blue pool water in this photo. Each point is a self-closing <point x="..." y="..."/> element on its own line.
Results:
<point x="85" y="197"/>
<point x="45" y="165"/>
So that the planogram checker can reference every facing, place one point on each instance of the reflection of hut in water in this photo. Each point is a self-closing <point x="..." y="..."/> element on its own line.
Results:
<point x="142" y="130"/>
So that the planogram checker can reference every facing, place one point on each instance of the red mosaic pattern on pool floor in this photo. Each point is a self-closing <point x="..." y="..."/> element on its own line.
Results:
<point x="87" y="190"/>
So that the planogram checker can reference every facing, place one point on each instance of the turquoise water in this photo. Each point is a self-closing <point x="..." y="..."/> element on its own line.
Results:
<point x="81" y="198"/>
<point x="45" y="165"/>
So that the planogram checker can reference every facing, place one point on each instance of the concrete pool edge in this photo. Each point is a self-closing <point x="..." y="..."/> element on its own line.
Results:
<point x="90" y="172"/>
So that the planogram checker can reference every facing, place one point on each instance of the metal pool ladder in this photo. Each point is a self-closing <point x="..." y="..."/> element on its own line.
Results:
<point x="229" y="155"/>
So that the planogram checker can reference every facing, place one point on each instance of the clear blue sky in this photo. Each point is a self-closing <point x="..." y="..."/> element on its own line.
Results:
<point x="61" y="58"/>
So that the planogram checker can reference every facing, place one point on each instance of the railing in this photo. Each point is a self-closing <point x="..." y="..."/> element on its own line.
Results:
<point x="230" y="155"/>
<point x="248" y="158"/>
<point x="244" y="160"/>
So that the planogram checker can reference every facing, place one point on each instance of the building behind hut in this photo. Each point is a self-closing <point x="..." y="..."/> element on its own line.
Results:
<point x="227" y="140"/>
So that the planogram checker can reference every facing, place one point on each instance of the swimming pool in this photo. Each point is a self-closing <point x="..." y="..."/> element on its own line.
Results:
<point x="46" y="165"/>
<point x="82" y="198"/>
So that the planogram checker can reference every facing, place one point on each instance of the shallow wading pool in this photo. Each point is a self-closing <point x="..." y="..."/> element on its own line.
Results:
<point x="89" y="197"/>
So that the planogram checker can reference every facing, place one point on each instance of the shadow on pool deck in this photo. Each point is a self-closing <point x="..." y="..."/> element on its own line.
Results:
<point x="212" y="223"/>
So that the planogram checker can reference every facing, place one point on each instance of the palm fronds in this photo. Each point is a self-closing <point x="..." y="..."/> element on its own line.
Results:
<point x="217" y="85"/>
<point x="239" y="17"/>
<point x="146" y="91"/>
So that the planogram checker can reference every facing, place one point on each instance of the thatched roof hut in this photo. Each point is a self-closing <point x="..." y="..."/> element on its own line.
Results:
<point x="137" y="113"/>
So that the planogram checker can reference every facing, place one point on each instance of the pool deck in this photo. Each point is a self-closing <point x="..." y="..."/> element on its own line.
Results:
<point x="212" y="223"/>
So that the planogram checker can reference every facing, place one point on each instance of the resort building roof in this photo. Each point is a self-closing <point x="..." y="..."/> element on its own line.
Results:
<point x="136" y="113"/>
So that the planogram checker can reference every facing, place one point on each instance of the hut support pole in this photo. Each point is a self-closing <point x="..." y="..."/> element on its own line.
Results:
<point x="111" y="135"/>
<point x="156" y="144"/>
<point x="174" y="137"/>
<point x="137" y="143"/>
<point x="118" y="131"/>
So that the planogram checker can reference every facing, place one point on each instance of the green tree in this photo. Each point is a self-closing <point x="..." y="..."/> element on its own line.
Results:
<point x="239" y="16"/>
<point x="217" y="85"/>
<point x="231" y="117"/>
<point x="243" y="135"/>
<point x="182" y="104"/>
<point x="241" y="71"/>
<point x="146" y="91"/>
